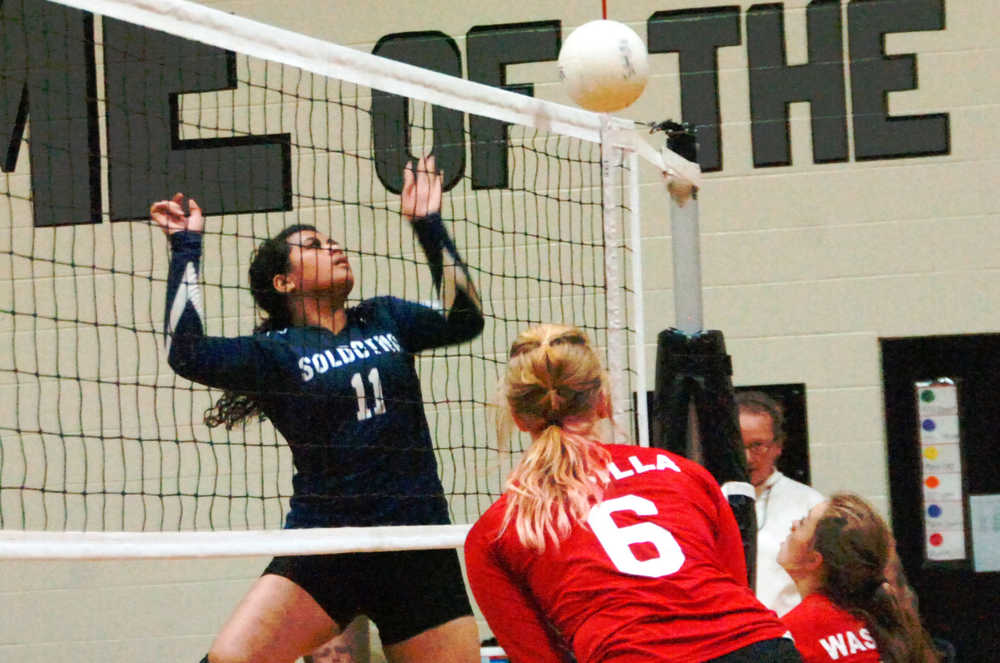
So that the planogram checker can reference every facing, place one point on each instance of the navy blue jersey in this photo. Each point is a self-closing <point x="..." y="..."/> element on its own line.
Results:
<point x="348" y="404"/>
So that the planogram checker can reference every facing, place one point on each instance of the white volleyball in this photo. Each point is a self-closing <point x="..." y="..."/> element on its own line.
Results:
<point x="604" y="65"/>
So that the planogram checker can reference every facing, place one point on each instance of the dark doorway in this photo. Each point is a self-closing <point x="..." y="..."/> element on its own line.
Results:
<point x="957" y="603"/>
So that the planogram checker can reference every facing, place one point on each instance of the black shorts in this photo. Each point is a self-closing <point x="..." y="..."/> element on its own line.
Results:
<point x="404" y="592"/>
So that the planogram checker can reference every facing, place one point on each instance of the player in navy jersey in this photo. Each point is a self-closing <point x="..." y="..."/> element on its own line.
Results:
<point x="607" y="552"/>
<point x="340" y="385"/>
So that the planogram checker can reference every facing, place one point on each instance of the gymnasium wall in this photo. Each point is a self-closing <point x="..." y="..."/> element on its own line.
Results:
<point x="879" y="221"/>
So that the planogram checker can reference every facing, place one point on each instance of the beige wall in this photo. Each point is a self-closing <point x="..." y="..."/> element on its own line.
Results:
<point x="805" y="268"/>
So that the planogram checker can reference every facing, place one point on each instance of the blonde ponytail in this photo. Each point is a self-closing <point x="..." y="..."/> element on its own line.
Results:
<point x="555" y="390"/>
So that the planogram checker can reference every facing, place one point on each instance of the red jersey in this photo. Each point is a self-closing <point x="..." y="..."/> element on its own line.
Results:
<point x="824" y="632"/>
<point x="658" y="573"/>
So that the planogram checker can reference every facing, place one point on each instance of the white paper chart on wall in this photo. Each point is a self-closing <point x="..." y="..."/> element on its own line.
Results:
<point x="941" y="470"/>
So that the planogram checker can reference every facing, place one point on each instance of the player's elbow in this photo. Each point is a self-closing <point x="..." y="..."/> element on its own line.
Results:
<point x="466" y="323"/>
<point x="179" y="358"/>
<point x="466" y="317"/>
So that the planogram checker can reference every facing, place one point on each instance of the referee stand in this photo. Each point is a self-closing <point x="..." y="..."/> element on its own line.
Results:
<point x="693" y="410"/>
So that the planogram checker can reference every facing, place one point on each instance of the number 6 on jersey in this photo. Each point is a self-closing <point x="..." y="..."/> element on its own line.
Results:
<point x="616" y="540"/>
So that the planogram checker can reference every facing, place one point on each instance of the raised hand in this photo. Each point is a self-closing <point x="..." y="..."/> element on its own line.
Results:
<point x="421" y="193"/>
<point x="170" y="216"/>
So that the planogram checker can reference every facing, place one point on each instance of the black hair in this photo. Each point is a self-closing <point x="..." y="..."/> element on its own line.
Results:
<point x="270" y="259"/>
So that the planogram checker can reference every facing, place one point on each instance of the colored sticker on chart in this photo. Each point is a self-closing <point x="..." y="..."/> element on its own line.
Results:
<point x="939" y="430"/>
<point x="941" y="459"/>
<point x="937" y="399"/>
<point x="944" y="515"/>
<point x="944" y="545"/>
<point x="942" y="487"/>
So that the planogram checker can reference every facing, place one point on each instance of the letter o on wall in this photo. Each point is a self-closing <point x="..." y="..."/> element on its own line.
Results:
<point x="390" y="113"/>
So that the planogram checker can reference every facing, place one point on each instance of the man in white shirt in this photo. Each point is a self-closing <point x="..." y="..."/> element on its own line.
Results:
<point x="780" y="500"/>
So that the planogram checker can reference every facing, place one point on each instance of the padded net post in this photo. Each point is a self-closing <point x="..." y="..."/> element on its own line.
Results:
<point x="694" y="410"/>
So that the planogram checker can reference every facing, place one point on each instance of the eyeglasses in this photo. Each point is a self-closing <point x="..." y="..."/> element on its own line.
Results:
<point x="757" y="447"/>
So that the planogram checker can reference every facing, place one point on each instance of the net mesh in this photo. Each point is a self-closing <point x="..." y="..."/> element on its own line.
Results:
<point x="102" y="116"/>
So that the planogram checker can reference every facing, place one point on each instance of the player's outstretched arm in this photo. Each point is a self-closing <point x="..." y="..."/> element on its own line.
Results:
<point x="421" y="205"/>
<point x="184" y="314"/>
<point x="219" y="362"/>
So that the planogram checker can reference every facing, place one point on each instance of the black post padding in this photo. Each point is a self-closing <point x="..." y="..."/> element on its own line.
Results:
<point x="745" y="510"/>
<point x="696" y="368"/>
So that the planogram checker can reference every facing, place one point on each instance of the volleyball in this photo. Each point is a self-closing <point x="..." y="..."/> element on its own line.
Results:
<point x="604" y="66"/>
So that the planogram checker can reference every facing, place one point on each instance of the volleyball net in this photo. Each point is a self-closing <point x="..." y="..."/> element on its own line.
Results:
<point x="108" y="105"/>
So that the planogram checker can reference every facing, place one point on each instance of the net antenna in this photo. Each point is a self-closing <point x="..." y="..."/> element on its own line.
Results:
<point x="103" y="453"/>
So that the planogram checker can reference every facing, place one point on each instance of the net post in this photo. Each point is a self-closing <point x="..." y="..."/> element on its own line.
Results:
<point x="617" y="341"/>
<point x="694" y="391"/>
<point x="684" y="233"/>
<point x="639" y="340"/>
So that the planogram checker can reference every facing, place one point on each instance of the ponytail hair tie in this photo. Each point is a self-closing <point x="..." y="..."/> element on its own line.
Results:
<point x="553" y="417"/>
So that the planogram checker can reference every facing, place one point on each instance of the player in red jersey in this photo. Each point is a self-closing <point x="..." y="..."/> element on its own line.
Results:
<point x="607" y="552"/>
<point x="849" y="613"/>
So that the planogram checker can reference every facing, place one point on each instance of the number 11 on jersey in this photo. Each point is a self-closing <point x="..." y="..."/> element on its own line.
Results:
<point x="364" y="412"/>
